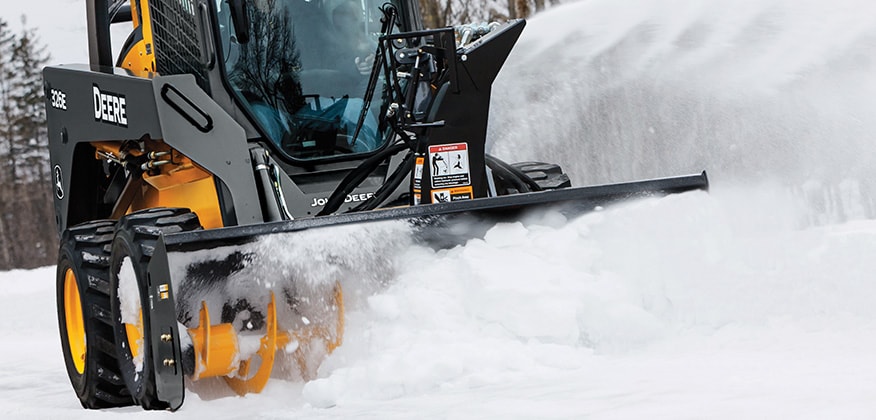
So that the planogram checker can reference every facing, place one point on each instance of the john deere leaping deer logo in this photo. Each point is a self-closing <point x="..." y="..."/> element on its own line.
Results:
<point x="59" y="185"/>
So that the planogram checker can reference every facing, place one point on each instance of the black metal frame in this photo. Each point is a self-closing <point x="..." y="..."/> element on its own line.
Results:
<point x="99" y="44"/>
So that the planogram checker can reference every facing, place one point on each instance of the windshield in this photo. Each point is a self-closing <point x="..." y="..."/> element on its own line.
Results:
<point x="304" y="72"/>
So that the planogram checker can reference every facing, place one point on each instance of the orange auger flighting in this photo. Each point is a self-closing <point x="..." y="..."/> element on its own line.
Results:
<point x="216" y="348"/>
<point x="197" y="175"/>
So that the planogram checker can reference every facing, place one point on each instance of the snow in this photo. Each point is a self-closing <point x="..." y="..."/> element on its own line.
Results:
<point x="130" y="306"/>
<point x="775" y="91"/>
<point x="754" y="300"/>
<point x="662" y="308"/>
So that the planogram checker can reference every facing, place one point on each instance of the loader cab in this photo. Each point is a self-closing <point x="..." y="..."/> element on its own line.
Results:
<point x="300" y="69"/>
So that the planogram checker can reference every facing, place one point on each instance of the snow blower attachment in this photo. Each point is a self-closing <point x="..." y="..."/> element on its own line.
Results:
<point x="199" y="177"/>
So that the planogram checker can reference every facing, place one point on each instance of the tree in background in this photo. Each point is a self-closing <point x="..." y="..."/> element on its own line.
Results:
<point x="7" y="40"/>
<point x="27" y="226"/>
<point x="28" y="59"/>
<point x="440" y="13"/>
<point x="7" y="169"/>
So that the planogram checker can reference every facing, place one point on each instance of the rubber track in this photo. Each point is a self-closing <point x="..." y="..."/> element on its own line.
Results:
<point x="91" y="243"/>
<point x="548" y="176"/>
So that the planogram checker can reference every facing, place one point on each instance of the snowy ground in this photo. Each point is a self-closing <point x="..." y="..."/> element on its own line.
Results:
<point x="752" y="301"/>
<point x="681" y="307"/>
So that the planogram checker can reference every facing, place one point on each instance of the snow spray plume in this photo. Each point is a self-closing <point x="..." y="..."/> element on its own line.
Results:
<point x="753" y="91"/>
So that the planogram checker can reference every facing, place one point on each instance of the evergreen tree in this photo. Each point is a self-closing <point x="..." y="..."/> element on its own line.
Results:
<point x="6" y="108"/>
<point x="6" y="160"/>
<point x="29" y="123"/>
<point x="31" y="139"/>
<point x="440" y="13"/>
<point x="27" y="227"/>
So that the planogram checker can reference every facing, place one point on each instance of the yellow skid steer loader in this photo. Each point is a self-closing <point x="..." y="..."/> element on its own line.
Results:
<point x="225" y="123"/>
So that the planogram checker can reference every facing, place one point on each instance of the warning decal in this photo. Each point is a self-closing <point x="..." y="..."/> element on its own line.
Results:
<point x="452" y="194"/>
<point x="449" y="165"/>
<point x="418" y="173"/>
<point x="418" y="180"/>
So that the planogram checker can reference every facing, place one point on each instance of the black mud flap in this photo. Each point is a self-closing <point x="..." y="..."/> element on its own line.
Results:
<point x="164" y="334"/>
<point x="433" y="224"/>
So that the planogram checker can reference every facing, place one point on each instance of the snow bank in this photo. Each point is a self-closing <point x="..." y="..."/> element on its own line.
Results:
<point x="540" y="301"/>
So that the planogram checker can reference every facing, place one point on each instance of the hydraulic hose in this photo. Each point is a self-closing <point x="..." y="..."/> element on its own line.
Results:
<point x="356" y="176"/>
<point x="385" y="190"/>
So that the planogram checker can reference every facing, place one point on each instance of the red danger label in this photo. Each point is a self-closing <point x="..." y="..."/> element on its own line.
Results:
<point x="448" y="164"/>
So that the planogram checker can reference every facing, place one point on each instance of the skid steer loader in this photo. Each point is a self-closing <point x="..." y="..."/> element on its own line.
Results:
<point x="227" y="123"/>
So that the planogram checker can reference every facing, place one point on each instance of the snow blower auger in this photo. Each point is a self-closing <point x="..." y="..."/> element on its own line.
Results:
<point x="232" y="136"/>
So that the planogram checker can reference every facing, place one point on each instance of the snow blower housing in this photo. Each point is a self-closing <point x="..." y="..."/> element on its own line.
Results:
<point x="225" y="122"/>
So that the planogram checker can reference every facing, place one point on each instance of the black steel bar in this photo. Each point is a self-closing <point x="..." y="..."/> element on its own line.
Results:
<point x="99" y="46"/>
<point x="581" y="199"/>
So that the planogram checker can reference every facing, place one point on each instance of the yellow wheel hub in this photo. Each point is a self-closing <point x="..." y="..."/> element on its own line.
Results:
<point x="135" y="338"/>
<point x="74" y="320"/>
